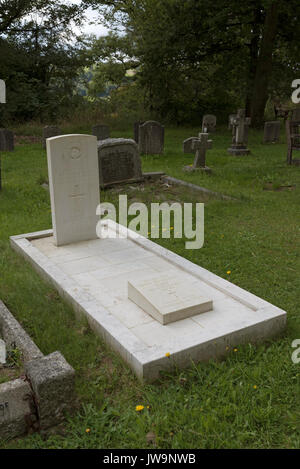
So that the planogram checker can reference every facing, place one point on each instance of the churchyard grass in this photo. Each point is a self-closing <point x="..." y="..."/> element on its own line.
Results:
<point x="250" y="400"/>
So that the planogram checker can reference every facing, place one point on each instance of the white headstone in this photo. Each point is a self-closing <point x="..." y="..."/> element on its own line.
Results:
<point x="2" y="92"/>
<point x="74" y="187"/>
<point x="168" y="298"/>
<point x="2" y="352"/>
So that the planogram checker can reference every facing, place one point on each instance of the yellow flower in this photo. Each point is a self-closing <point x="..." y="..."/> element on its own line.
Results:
<point x="168" y="354"/>
<point x="235" y="349"/>
<point x="148" y="407"/>
<point x="228" y="272"/>
<point x="227" y="348"/>
<point x="87" y="430"/>
<point x="139" y="408"/>
<point x="254" y="387"/>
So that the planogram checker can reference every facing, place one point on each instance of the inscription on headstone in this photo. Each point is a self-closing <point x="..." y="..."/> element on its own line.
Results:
<point x="101" y="131"/>
<point x="74" y="187"/>
<point x="151" y="138"/>
<point x="119" y="161"/>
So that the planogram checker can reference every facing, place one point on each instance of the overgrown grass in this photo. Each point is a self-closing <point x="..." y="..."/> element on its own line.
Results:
<point x="250" y="400"/>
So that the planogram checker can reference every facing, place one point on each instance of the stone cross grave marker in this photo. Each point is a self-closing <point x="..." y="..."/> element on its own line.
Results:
<point x="271" y="132"/>
<point x="101" y="131"/>
<point x="151" y="138"/>
<point x="119" y="161"/>
<point x="238" y="146"/>
<point x="74" y="187"/>
<point x="50" y="131"/>
<point x="200" y="146"/>
<point x="209" y="122"/>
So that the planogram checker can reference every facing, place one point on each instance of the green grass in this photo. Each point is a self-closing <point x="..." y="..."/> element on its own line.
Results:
<point x="213" y="405"/>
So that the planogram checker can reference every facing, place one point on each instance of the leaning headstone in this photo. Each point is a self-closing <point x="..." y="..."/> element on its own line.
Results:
<point x="74" y="187"/>
<point x="151" y="138"/>
<point x="188" y="145"/>
<point x="6" y="140"/>
<point x="240" y="122"/>
<point x="209" y="122"/>
<point x="271" y="132"/>
<point x="101" y="131"/>
<point x="119" y="161"/>
<point x="50" y="131"/>
<point x="136" y="128"/>
<point x="199" y="146"/>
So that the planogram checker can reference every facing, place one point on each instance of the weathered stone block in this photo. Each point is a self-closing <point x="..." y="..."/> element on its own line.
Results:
<point x="52" y="381"/>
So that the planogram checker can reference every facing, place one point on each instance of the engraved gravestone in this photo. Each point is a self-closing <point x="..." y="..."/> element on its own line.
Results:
<point x="50" y="131"/>
<point x="209" y="122"/>
<point x="271" y="132"/>
<point x="101" y="131"/>
<point x="151" y="138"/>
<point x="74" y="187"/>
<point x="119" y="161"/>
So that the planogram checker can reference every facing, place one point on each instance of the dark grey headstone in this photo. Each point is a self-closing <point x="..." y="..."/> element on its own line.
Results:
<point x="6" y="140"/>
<point x="119" y="161"/>
<point x="188" y="145"/>
<point x="136" y="127"/>
<point x="271" y="132"/>
<point x="50" y="131"/>
<point x="101" y="131"/>
<point x="151" y="138"/>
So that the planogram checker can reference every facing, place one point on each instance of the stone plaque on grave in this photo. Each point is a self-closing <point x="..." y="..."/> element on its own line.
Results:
<point x="151" y="138"/>
<point x="168" y="298"/>
<point x="74" y="187"/>
<point x="101" y="131"/>
<point x="50" y="131"/>
<point x="209" y="122"/>
<point x="271" y="132"/>
<point x="119" y="161"/>
<point x="6" y="140"/>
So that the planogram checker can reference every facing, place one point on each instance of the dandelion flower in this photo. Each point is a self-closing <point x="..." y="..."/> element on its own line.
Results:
<point x="235" y="349"/>
<point x="139" y="408"/>
<point x="254" y="387"/>
<point x="228" y="272"/>
<point x="168" y="354"/>
<point x="87" y="430"/>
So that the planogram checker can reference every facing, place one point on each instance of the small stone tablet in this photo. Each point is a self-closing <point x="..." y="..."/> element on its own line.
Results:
<point x="168" y="298"/>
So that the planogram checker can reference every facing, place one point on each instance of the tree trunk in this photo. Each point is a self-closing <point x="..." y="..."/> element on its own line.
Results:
<point x="264" y="65"/>
<point x="253" y="51"/>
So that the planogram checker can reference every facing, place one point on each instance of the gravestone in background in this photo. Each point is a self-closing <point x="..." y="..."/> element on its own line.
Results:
<point x="209" y="122"/>
<point x="151" y="138"/>
<point x="50" y="131"/>
<point x="231" y="126"/>
<point x="136" y="127"/>
<point x="6" y="140"/>
<point x="101" y="131"/>
<point x="240" y="135"/>
<point x="199" y="146"/>
<point x="74" y="187"/>
<point x="188" y="145"/>
<point x="271" y="132"/>
<point x="119" y="161"/>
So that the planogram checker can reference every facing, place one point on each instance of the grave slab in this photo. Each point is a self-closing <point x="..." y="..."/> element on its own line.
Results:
<point x="168" y="298"/>
<point x="101" y="294"/>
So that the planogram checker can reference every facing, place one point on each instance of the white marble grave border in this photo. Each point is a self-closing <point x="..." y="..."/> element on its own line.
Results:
<point x="148" y="361"/>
